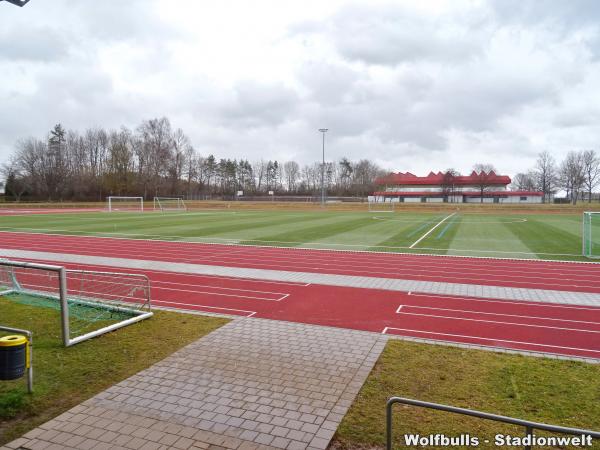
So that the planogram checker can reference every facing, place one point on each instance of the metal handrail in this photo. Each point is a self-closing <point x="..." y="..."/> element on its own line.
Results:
<point x="529" y="426"/>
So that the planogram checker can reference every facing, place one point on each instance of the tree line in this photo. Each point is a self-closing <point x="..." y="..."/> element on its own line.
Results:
<point x="578" y="174"/>
<point x="156" y="160"/>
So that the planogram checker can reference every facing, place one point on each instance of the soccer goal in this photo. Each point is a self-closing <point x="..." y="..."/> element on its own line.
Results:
<point x="169" y="204"/>
<point x="117" y="203"/>
<point x="90" y="303"/>
<point x="381" y="206"/>
<point x="591" y="234"/>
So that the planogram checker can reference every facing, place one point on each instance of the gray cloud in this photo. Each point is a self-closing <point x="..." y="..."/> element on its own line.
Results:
<point x="413" y="88"/>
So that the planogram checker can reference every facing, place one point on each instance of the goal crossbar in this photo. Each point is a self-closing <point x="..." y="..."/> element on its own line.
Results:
<point x="121" y="203"/>
<point x="169" y="204"/>
<point x="122" y="298"/>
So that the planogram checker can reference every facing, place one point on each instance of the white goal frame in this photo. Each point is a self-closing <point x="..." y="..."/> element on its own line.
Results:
<point x="113" y="197"/>
<point x="158" y="206"/>
<point x="586" y="234"/>
<point x="62" y="297"/>
<point x="374" y="206"/>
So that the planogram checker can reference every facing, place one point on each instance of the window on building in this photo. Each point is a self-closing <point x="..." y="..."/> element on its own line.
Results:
<point x="523" y="199"/>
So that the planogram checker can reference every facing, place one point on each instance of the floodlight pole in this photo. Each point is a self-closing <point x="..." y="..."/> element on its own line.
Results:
<point x="323" y="130"/>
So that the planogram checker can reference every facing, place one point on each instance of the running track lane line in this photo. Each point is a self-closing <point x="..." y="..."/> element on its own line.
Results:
<point x="430" y="231"/>
<point x="372" y="309"/>
<point x="478" y="338"/>
<point x="413" y="273"/>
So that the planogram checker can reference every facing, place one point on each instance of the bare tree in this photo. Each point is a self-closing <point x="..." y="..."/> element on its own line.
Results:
<point x="484" y="175"/>
<point x="591" y="171"/>
<point x="546" y="174"/>
<point x="525" y="181"/>
<point x="292" y="171"/>
<point x="449" y="184"/>
<point x="572" y="176"/>
<point x="259" y="168"/>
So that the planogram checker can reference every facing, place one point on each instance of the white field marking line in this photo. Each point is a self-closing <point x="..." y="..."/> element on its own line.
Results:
<point x="218" y="287"/>
<point x="469" y="222"/>
<point x="281" y="296"/>
<point x="225" y="258"/>
<point x="222" y="294"/>
<point x="466" y="336"/>
<point x="235" y="242"/>
<point x="221" y="277"/>
<point x="510" y="302"/>
<point x="494" y="314"/>
<point x="251" y="313"/>
<point x="501" y="323"/>
<point x="431" y="230"/>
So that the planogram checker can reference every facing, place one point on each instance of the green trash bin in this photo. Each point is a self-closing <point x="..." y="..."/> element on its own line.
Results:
<point x="13" y="357"/>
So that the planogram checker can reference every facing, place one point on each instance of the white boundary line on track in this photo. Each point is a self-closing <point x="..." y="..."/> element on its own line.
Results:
<point x="507" y="302"/>
<point x="236" y="257"/>
<point x="386" y="329"/>
<point x="282" y="295"/>
<point x="431" y="230"/>
<point x="292" y="246"/>
<point x="250" y="313"/>
<point x="498" y="322"/>
<point x="166" y="272"/>
<point x="398" y="311"/>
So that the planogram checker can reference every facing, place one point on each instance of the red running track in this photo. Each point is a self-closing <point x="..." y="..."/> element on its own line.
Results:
<point x="547" y="328"/>
<point x="561" y="276"/>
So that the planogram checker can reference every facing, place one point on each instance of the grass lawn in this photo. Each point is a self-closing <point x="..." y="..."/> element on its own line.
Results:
<point x="469" y="232"/>
<point x="64" y="377"/>
<point x="539" y="389"/>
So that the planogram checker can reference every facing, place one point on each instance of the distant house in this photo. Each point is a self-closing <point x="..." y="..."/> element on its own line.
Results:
<point x="2" y="189"/>
<point x="439" y="187"/>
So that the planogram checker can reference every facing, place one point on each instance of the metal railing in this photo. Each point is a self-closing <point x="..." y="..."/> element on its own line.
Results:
<point x="528" y="425"/>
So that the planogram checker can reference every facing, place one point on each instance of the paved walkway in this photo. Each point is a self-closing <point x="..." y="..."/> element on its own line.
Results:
<point x="253" y="383"/>
<point x="391" y="284"/>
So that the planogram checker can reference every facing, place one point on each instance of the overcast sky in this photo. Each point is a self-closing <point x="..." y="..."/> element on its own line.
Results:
<point x="411" y="85"/>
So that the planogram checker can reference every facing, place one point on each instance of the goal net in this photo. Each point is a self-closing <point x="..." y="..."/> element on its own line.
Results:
<point x="169" y="204"/>
<point x="125" y="204"/>
<point x="381" y="206"/>
<point x="90" y="303"/>
<point x="591" y="234"/>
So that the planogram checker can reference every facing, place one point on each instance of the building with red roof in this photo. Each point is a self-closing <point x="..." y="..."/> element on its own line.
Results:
<point x="483" y="187"/>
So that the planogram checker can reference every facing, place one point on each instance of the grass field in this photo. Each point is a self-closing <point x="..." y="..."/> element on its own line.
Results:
<point x="64" y="377"/>
<point x="538" y="389"/>
<point x="511" y="234"/>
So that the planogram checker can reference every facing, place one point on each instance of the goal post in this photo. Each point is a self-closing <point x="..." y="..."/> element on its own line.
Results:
<point x="169" y="204"/>
<point x="591" y="234"/>
<point x="90" y="303"/>
<point x="119" y="203"/>
<point x="378" y="204"/>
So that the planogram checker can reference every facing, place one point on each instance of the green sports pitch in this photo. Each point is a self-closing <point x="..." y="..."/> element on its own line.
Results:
<point x="497" y="234"/>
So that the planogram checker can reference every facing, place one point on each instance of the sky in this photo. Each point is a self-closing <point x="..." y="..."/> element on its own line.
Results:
<point x="412" y="86"/>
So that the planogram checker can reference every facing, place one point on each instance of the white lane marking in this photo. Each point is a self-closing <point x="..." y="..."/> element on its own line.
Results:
<point x="465" y="336"/>
<point x="501" y="323"/>
<point x="250" y="313"/>
<point x="431" y="230"/>
<point x="497" y="314"/>
<point x="527" y="303"/>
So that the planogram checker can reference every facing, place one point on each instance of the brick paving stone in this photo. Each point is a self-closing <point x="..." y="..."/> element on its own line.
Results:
<point x="252" y="384"/>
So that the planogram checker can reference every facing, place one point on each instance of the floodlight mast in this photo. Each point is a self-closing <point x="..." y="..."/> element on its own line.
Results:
<point x="323" y="130"/>
<point x="17" y="2"/>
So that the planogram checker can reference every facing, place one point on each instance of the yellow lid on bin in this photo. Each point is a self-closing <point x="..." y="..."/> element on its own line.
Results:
<point x="12" y="340"/>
